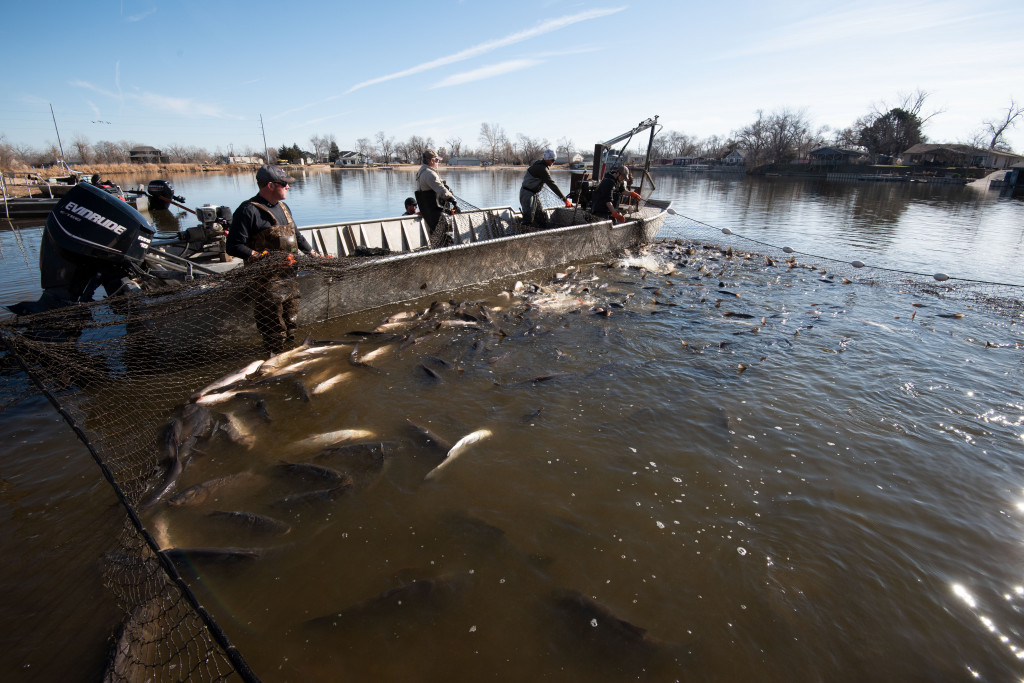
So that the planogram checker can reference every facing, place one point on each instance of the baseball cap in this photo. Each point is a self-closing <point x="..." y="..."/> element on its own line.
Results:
<point x="549" y="155"/>
<point x="272" y="174"/>
<point x="429" y="154"/>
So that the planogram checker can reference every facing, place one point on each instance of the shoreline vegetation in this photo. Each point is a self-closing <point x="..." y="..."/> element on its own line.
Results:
<point x="26" y="181"/>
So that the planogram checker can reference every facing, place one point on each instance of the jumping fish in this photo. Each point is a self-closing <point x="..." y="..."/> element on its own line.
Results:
<point x="228" y="380"/>
<point x="334" y="437"/>
<point x="459" y="448"/>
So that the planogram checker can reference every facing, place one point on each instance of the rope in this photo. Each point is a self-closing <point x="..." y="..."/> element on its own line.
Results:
<point x="941" y="277"/>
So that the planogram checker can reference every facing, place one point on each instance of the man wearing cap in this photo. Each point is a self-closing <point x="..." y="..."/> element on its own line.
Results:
<point x="615" y="180"/>
<point x="432" y="195"/>
<point x="537" y="176"/>
<point x="410" y="207"/>
<point x="264" y="235"/>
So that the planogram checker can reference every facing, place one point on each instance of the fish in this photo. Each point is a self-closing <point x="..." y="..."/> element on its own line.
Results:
<point x="280" y="360"/>
<point x="431" y="436"/>
<point x="311" y="498"/>
<point x="261" y="410"/>
<point x="428" y="373"/>
<point x="202" y="492"/>
<point x="354" y="360"/>
<point x="311" y="472"/>
<point x="167" y="484"/>
<point x="229" y="379"/>
<point x="335" y="437"/>
<point x="458" y="449"/>
<point x="406" y="601"/>
<point x="188" y="557"/>
<point x="330" y="382"/>
<point x="251" y="521"/>
<point x="365" y="457"/>
<point x="592" y="619"/>
<point x="236" y="432"/>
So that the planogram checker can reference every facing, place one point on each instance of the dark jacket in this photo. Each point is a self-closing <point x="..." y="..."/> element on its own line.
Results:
<point x="249" y="220"/>
<point x="604" y="193"/>
<point x="537" y="176"/>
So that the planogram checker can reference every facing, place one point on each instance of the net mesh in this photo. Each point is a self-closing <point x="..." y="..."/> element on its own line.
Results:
<point x="123" y="371"/>
<point x="126" y="374"/>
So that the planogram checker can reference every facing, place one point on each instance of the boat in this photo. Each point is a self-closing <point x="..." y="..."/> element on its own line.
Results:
<point x="44" y="195"/>
<point x="375" y="263"/>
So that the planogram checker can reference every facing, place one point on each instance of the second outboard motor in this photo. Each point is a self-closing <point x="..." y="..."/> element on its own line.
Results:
<point x="161" y="194"/>
<point x="91" y="239"/>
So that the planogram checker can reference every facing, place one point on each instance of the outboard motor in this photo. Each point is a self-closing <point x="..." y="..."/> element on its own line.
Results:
<point x="91" y="238"/>
<point x="210" y="234"/>
<point x="161" y="194"/>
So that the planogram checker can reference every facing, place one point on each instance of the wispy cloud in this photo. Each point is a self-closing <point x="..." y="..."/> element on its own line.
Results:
<point x="487" y="72"/>
<point x="139" y="17"/>
<point x="491" y="45"/>
<point x="162" y="103"/>
<point x="322" y="119"/>
<point x="854" y="25"/>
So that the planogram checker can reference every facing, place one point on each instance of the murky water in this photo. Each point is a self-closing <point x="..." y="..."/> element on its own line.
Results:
<point x="807" y="481"/>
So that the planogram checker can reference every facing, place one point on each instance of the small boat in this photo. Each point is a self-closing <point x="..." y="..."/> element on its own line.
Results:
<point x="376" y="262"/>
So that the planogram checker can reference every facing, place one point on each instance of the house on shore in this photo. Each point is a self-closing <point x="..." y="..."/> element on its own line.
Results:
<point x="349" y="159"/>
<point x="144" y="154"/>
<point x="737" y="157"/>
<point x="833" y="156"/>
<point x="958" y="155"/>
<point x="464" y="161"/>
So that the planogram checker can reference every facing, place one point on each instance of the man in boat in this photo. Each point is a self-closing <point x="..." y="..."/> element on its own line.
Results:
<point x="615" y="182"/>
<point x="410" y="207"/>
<point x="537" y="176"/>
<point x="432" y="195"/>
<point x="264" y="235"/>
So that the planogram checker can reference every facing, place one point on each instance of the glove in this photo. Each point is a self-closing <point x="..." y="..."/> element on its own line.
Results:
<point x="568" y="203"/>
<point x="618" y="217"/>
<point x="635" y="196"/>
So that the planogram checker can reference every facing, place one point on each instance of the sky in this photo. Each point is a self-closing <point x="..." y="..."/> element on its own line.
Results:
<point x="226" y="76"/>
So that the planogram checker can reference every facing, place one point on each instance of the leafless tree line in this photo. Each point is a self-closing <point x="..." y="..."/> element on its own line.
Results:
<point x="776" y="137"/>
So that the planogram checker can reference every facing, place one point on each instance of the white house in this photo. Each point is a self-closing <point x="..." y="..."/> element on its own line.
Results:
<point x="350" y="159"/>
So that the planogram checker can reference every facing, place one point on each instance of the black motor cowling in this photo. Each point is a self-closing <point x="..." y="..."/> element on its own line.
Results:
<point x="161" y="194"/>
<point x="91" y="239"/>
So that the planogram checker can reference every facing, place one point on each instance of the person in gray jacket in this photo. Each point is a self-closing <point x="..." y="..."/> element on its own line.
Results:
<point x="432" y="194"/>
<point x="537" y="176"/>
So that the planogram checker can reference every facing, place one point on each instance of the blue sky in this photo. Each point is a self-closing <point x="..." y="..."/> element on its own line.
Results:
<point x="204" y="73"/>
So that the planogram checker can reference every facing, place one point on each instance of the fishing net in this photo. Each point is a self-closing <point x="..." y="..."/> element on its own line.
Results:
<point x="139" y="378"/>
<point x="124" y="372"/>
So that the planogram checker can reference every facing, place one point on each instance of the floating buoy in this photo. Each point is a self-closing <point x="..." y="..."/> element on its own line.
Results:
<point x="857" y="264"/>
<point x="726" y="231"/>
<point x="941" y="277"/>
<point x="788" y="250"/>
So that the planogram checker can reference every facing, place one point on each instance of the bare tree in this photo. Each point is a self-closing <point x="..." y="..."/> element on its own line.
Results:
<point x="83" y="150"/>
<point x="492" y="137"/>
<point x="529" y="149"/>
<point x="321" y="145"/>
<point x="996" y="128"/>
<point x="454" y="146"/>
<point x="777" y="138"/>
<point x="365" y="147"/>
<point x="386" y="146"/>
<point x="566" y="147"/>
<point x="416" y="145"/>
